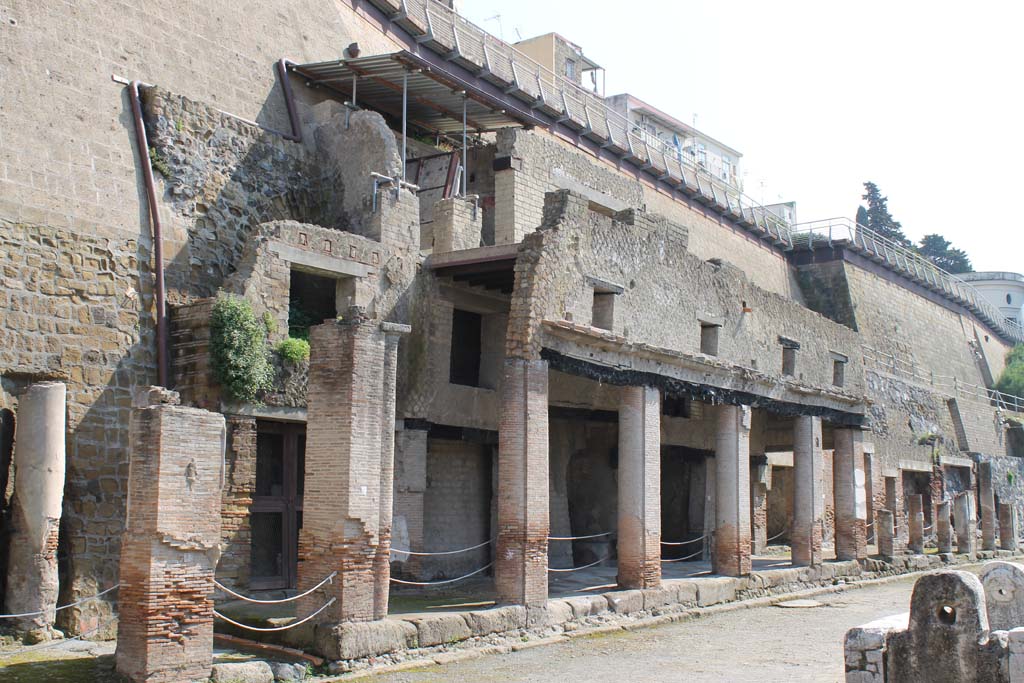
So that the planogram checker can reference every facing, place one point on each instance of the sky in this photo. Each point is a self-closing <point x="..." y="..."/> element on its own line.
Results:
<point x="923" y="98"/>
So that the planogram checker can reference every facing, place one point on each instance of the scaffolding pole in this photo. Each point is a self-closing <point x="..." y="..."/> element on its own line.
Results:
<point x="465" y="154"/>
<point x="405" y="107"/>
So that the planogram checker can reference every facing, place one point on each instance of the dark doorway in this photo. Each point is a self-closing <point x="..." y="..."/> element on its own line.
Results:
<point x="276" y="513"/>
<point x="682" y="499"/>
<point x="6" y="455"/>
<point x="918" y="483"/>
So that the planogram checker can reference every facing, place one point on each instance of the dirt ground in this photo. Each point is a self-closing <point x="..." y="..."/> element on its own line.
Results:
<point x="759" y="645"/>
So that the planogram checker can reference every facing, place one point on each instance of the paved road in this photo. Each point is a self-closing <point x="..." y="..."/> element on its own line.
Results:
<point x="759" y="645"/>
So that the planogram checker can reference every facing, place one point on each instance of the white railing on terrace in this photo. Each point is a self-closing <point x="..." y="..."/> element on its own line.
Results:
<point x="910" y="370"/>
<point x="909" y="262"/>
<point x="451" y="35"/>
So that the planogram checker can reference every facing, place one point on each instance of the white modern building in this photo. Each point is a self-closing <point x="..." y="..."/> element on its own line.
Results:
<point x="1004" y="290"/>
<point x="690" y="144"/>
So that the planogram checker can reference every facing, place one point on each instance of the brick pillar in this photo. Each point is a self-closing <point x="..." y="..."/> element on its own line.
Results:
<point x="986" y="496"/>
<point x="731" y="553"/>
<point x="382" y="560"/>
<point x="759" y="469"/>
<point x="521" y="567"/>
<point x="410" y="487"/>
<point x="639" y="506"/>
<point x="872" y="488"/>
<point x="341" y="519"/>
<point x="808" y="491"/>
<point x="966" y="523"/>
<point x="894" y="503"/>
<point x="848" y="489"/>
<point x="915" y="513"/>
<point x="943" y="529"/>
<point x="171" y="540"/>
<point x="39" y="459"/>
<point x="710" y="519"/>
<point x="1008" y="527"/>
<point x="885" y="530"/>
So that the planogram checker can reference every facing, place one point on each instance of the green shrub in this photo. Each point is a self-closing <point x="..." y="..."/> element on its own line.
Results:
<point x="238" y="349"/>
<point x="294" y="350"/>
<point x="1012" y="379"/>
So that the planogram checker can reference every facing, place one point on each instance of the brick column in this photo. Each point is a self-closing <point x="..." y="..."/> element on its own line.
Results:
<point x="39" y="459"/>
<point x="808" y="491"/>
<point x="639" y="548"/>
<point x="382" y="561"/>
<point x="894" y="503"/>
<point x="986" y="496"/>
<point x="848" y="489"/>
<point x="171" y="541"/>
<point x="943" y="530"/>
<point x="341" y="523"/>
<point x="710" y="518"/>
<point x="915" y="513"/>
<point x="410" y="487"/>
<point x="885" y="531"/>
<point x="1008" y="527"/>
<point x="731" y="553"/>
<point x="521" y="567"/>
<point x="759" y="469"/>
<point x="966" y="523"/>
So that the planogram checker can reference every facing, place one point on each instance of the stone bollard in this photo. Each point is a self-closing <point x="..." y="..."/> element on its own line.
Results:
<point x="986" y="495"/>
<point x="39" y="461"/>
<point x="171" y="542"/>
<point x="915" y="505"/>
<point x="885" y="532"/>
<point x="966" y="523"/>
<point x="1008" y="529"/>
<point x="943" y="528"/>
<point x="1004" y="594"/>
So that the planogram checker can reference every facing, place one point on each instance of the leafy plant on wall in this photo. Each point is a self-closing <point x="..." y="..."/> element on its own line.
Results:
<point x="238" y="350"/>
<point x="1012" y="379"/>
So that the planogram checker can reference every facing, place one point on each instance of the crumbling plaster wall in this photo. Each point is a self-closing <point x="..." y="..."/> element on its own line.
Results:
<point x="543" y="163"/>
<point x="666" y="293"/>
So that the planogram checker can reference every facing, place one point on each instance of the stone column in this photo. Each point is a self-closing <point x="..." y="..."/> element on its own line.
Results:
<point x="915" y="511"/>
<point x="382" y="561"/>
<point x="885" y="531"/>
<point x="710" y="517"/>
<point x="848" y="486"/>
<point x="894" y="503"/>
<point x="986" y="494"/>
<point x="639" y="506"/>
<point x="731" y="554"/>
<point x="808" y="491"/>
<point x="39" y="460"/>
<point x="171" y="541"/>
<point x="521" y="567"/>
<point x="759" y="469"/>
<point x="1008" y="527"/>
<point x="341" y="523"/>
<point x="966" y="523"/>
<point x="943" y="530"/>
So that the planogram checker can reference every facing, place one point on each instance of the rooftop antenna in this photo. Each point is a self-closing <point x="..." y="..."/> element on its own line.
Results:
<point x="501" y="31"/>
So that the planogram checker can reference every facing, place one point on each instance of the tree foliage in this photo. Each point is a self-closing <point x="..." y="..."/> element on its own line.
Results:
<point x="1012" y="379"/>
<point x="238" y="350"/>
<point x="942" y="253"/>
<point x="294" y="350"/>
<point x="876" y="216"/>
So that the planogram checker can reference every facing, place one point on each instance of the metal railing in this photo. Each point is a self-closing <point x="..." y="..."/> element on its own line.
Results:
<point x="910" y="263"/>
<point x="946" y="384"/>
<point x="447" y="33"/>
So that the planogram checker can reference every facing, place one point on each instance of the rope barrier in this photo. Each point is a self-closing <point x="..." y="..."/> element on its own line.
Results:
<point x="578" y="538"/>
<point x="55" y="643"/>
<point x="927" y="528"/>
<point x="444" y="552"/>
<point x="441" y="583"/>
<point x="57" y="609"/>
<point x="246" y="598"/>
<point x="576" y="569"/>
<point x="688" y="557"/>
<point x="259" y="629"/>
<point x="685" y="542"/>
<point x="778" y="535"/>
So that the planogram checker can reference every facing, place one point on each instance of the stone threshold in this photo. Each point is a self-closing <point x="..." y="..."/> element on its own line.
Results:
<point x="407" y="642"/>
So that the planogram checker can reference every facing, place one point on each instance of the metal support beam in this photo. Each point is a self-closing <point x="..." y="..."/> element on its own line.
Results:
<point x="405" y="109"/>
<point x="465" y="154"/>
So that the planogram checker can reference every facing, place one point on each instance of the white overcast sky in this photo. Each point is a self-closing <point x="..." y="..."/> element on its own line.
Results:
<point x="924" y="98"/>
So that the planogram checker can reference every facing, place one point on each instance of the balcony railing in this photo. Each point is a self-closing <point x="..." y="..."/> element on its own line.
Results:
<point x="909" y="263"/>
<point x="447" y="33"/>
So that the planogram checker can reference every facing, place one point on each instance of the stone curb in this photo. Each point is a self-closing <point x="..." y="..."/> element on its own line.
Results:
<point x="687" y="615"/>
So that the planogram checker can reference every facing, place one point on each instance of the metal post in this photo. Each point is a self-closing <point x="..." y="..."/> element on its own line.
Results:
<point x="465" y="155"/>
<point x="405" y="106"/>
<point x="355" y="85"/>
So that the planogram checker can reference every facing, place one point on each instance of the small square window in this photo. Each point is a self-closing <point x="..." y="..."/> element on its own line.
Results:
<point x="709" y="339"/>
<point x="603" y="313"/>
<point x="789" y="361"/>
<point x="570" y="68"/>
<point x="838" y="372"/>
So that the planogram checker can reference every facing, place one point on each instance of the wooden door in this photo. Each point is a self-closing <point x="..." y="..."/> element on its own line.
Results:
<point x="276" y="513"/>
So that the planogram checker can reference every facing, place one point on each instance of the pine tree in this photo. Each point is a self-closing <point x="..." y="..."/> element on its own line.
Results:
<point x="862" y="216"/>
<point x="941" y="252"/>
<point x="878" y="217"/>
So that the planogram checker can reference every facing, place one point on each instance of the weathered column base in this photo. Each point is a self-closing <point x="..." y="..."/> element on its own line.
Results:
<point x="731" y="544"/>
